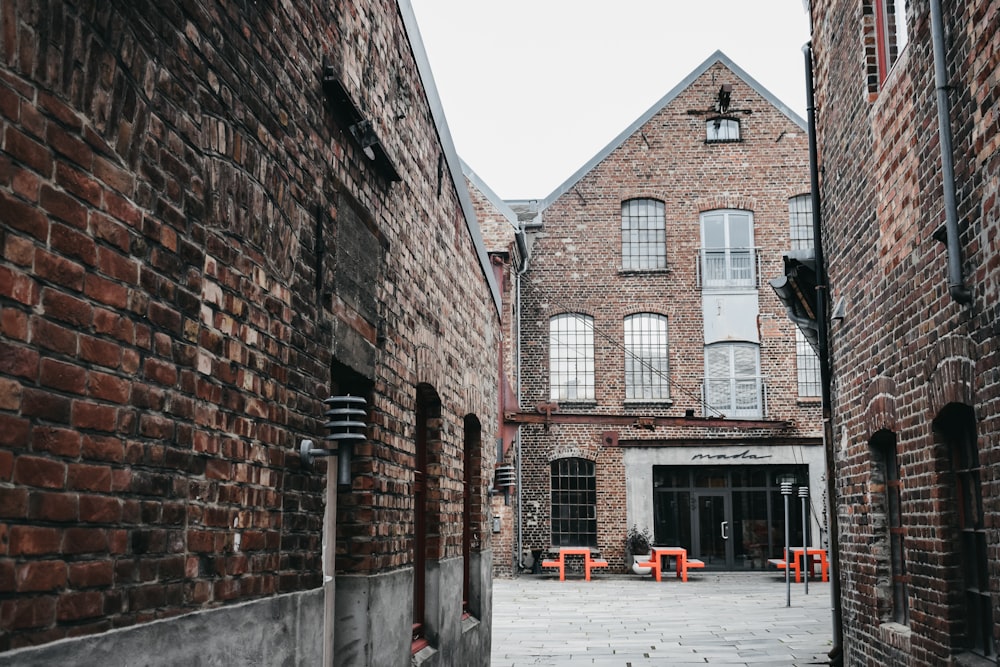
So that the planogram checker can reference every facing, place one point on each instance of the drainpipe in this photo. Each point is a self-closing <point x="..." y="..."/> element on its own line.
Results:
<point x="523" y="248"/>
<point x="836" y="653"/>
<point x="956" y="286"/>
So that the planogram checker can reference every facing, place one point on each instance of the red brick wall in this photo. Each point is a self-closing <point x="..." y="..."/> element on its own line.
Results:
<point x="178" y="293"/>
<point x="906" y="348"/>
<point x="575" y="267"/>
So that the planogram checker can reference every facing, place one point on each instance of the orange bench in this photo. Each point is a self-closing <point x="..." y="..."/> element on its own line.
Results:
<point x="684" y="563"/>
<point x="814" y="556"/>
<point x="590" y="561"/>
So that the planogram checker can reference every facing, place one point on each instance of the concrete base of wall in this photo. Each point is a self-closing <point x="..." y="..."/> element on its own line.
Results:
<point x="375" y="614"/>
<point x="372" y="628"/>
<point x="283" y="630"/>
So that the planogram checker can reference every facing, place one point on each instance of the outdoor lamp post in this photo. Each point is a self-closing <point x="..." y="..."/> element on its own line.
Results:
<point x="786" y="491"/>
<point x="804" y="495"/>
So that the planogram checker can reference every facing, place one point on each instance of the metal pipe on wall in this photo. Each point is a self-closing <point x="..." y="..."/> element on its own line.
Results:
<point x="956" y="284"/>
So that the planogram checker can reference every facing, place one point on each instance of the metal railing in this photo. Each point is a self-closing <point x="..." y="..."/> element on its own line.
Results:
<point x="737" y="398"/>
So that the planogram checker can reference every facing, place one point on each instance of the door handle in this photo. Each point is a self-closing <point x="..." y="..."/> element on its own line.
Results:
<point x="724" y="526"/>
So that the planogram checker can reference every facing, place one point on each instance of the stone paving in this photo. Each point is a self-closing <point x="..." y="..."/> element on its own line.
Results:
<point x="632" y="621"/>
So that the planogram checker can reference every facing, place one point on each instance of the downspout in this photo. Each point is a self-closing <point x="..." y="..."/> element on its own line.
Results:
<point x="956" y="285"/>
<point x="523" y="248"/>
<point x="836" y="653"/>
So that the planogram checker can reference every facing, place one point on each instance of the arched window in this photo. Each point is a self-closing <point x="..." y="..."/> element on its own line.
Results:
<point x="733" y="385"/>
<point x="426" y="522"/>
<point x="646" y="373"/>
<point x="472" y="513"/>
<point x="644" y="236"/>
<point x="574" y="503"/>
<point x="883" y="446"/>
<point x="571" y="358"/>
<point x="955" y="427"/>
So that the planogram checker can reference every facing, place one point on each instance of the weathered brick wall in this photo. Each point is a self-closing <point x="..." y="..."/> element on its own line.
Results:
<point x="576" y="267"/>
<point x="194" y="254"/>
<point x="882" y="204"/>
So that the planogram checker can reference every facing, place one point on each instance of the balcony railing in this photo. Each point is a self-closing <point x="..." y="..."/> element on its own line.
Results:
<point x="737" y="398"/>
<point x="726" y="268"/>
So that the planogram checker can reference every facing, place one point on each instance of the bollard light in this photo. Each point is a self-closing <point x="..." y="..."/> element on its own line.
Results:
<point x="804" y="495"/>
<point x="786" y="490"/>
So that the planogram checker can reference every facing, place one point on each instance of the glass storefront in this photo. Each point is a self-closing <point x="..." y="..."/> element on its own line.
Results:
<point x="731" y="517"/>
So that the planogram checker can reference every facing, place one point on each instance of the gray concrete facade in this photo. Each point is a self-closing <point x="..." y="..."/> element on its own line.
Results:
<point x="282" y="631"/>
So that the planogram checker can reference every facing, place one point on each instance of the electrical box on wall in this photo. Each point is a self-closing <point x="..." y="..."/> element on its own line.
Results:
<point x="496" y="523"/>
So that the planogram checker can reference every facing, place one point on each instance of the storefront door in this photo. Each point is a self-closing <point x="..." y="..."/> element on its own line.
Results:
<point x="712" y="517"/>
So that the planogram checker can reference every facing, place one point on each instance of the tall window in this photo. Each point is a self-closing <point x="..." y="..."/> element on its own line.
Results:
<point x="574" y="503"/>
<point x="644" y="237"/>
<point x="884" y="448"/>
<point x="426" y="524"/>
<point x="728" y="256"/>
<point x="807" y="363"/>
<point x="720" y="129"/>
<point x="472" y="511"/>
<point x="646" y="357"/>
<point x="733" y="384"/>
<point x="571" y="357"/>
<point x="956" y="427"/>
<point x="800" y="227"/>
<point x="891" y="35"/>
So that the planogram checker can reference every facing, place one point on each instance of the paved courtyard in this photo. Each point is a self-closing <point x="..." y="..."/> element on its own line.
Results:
<point x="631" y="621"/>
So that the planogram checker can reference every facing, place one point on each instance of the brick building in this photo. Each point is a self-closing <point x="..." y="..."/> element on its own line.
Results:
<point x="906" y="120"/>
<point x="213" y="216"/>
<point x="662" y="385"/>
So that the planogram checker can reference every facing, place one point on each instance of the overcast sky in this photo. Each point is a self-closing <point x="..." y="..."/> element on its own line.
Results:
<point x="532" y="89"/>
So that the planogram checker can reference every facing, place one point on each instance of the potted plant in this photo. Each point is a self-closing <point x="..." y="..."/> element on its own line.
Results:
<point x="637" y="548"/>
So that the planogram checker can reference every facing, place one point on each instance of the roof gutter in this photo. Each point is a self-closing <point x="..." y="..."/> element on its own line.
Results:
<point x="956" y="284"/>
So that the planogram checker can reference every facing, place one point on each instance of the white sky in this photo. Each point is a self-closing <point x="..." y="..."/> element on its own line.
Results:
<point x="533" y="89"/>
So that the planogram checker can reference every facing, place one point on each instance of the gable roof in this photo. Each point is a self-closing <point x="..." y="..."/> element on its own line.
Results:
<point x="448" y="146"/>
<point x="717" y="57"/>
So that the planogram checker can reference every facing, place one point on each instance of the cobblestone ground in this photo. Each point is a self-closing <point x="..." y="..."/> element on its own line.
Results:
<point x="632" y="621"/>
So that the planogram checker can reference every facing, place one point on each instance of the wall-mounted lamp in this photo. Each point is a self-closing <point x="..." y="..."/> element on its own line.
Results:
<point x="365" y="135"/>
<point x="349" y="115"/>
<point x="505" y="478"/>
<point x="725" y="95"/>
<point x="345" y="415"/>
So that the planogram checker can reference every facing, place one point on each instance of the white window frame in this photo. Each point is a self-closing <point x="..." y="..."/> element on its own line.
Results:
<point x="733" y="264"/>
<point x="733" y="391"/>
<point x="722" y="129"/>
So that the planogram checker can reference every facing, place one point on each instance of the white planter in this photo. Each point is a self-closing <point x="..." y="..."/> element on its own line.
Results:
<point x="641" y="558"/>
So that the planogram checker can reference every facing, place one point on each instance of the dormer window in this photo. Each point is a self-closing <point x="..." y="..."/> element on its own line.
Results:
<point x="721" y="129"/>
